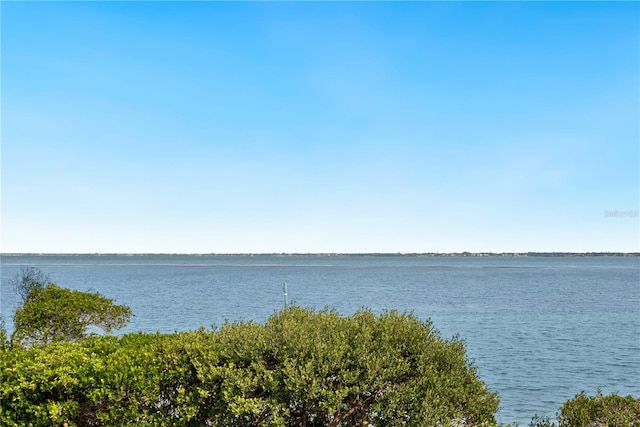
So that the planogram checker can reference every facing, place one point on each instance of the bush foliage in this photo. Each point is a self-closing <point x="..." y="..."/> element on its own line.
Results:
<point x="51" y="313"/>
<point x="595" y="411"/>
<point x="300" y="368"/>
<point x="600" y="411"/>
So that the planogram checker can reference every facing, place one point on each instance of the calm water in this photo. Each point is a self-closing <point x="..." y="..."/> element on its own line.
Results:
<point x="539" y="330"/>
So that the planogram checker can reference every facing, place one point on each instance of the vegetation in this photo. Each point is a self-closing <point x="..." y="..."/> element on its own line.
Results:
<point x="28" y="280"/>
<point x="50" y="313"/>
<point x="4" y="339"/>
<point x="57" y="314"/>
<point x="596" y="411"/>
<point x="301" y="368"/>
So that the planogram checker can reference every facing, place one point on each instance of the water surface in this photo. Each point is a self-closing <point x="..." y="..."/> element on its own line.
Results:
<point x="539" y="330"/>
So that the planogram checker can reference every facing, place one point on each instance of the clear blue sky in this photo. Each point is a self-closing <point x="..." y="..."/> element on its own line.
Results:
<point x="320" y="127"/>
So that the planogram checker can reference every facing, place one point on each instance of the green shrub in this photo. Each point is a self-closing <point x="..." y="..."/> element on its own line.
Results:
<point x="301" y="368"/>
<point x="595" y="411"/>
<point x="52" y="313"/>
<point x="600" y="411"/>
<point x="538" y="421"/>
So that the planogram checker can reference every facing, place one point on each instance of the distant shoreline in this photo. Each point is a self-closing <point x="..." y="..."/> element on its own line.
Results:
<point x="338" y="254"/>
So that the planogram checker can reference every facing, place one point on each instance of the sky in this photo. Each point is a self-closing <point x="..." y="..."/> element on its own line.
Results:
<point x="262" y="127"/>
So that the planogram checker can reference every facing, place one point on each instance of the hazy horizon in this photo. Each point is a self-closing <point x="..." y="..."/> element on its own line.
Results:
<point x="487" y="253"/>
<point x="297" y="127"/>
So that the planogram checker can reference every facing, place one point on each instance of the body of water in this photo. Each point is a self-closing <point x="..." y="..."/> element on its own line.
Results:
<point x="539" y="330"/>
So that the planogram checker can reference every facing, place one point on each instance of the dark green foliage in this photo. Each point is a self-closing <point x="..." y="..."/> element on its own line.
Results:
<point x="596" y="411"/>
<point x="301" y="368"/>
<point x="600" y="411"/>
<point x="4" y="339"/>
<point x="53" y="314"/>
<point x="538" y="421"/>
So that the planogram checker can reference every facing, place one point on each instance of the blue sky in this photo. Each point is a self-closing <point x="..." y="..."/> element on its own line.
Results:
<point x="320" y="127"/>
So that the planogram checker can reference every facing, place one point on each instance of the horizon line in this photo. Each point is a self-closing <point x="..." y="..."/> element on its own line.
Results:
<point x="429" y="253"/>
